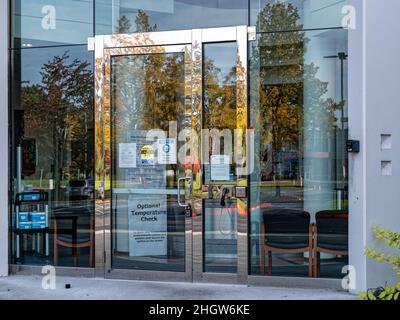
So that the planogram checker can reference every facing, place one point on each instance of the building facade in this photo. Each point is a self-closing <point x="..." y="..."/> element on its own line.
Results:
<point x="198" y="140"/>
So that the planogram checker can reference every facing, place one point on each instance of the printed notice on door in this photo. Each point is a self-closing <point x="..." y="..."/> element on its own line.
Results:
<point x="220" y="168"/>
<point x="167" y="151"/>
<point x="127" y="155"/>
<point x="147" y="225"/>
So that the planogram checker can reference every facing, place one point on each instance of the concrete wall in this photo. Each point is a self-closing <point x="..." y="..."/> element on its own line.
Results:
<point x="382" y="94"/>
<point x="3" y="138"/>
<point x="374" y="103"/>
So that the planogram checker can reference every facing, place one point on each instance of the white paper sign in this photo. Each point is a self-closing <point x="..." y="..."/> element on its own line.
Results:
<point x="127" y="155"/>
<point x="166" y="151"/>
<point x="220" y="168"/>
<point x="147" y="225"/>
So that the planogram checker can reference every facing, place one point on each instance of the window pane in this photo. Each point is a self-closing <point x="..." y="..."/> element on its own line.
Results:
<point x="219" y="120"/>
<point x="52" y="156"/>
<point x="299" y="112"/>
<point x="51" y="22"/>
<point x="219" y="107"/>
<point x="272" y="15"/>
<point x="127" y="16"/>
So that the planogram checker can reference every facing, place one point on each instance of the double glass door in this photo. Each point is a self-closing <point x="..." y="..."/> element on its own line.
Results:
<point x="171" y="164"/>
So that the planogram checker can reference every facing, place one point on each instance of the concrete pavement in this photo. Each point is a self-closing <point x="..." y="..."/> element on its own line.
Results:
<point x="30" y="287"/>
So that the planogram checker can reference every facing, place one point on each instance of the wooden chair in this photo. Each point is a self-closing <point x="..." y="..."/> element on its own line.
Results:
<point x="74" y="228"/>
<point x="285" y="231"/>
<point x="331" y="233"/>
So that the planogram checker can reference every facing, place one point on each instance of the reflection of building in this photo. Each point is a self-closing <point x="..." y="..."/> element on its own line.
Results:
<point x="306" y="93"/>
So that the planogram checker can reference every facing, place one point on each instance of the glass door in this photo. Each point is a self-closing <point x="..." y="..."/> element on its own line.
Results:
<point x="150" y="106"/>
<point x="171" y="181"/>
<point x="147" y="108"/>
<point x="220" y="180"/>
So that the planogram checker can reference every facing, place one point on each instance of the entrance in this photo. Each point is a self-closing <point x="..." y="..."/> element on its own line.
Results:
<point x="171" y="142"/>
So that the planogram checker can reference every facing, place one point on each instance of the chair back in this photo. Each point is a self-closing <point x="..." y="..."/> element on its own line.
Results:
<point x="332" y="230"/>
<point x="74" y="224"/>
<point x="286" y="228"/>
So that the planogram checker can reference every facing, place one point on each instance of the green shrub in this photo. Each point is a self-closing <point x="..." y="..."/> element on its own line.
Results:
<point x="386" y="239"/>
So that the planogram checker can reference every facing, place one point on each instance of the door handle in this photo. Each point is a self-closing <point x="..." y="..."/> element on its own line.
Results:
<point x="179" y="190"/>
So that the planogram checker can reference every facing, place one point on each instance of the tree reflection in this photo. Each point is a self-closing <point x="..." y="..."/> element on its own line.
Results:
<point x="219" y="97"/>
<point x="285" y="129"/>
<point x="58" y="114"/>
<point x="124" y="25"/>
<point x="150" y="87"/>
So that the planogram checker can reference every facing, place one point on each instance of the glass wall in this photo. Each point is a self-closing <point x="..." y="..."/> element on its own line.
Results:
<point x="298" y="109"/>
<point x="52" y="156"/>
<point x="126" y="16"/>
<point x="37" y="23"/>
<point x="51" y="175"/>
<point x="299" y="207"/>
<point x="289" y="15"/>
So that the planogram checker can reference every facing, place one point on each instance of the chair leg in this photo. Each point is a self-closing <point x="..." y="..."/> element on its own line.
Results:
<point x="310" y="249"/>
<point x="55" y="252"/>
<point x="262" y="249"/>
<point x="91" y="255"/>
<point x="316" y="253"/>
<point x="91" y="248"/>
<point x="269" y="263"/>
<point x="263" y="260"/>
<point x="75" y="256"/>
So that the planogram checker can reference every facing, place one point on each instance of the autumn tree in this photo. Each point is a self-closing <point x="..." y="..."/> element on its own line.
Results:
<point x="124" y="25"/>
<point x="58" y="113"/>
<point x="143" y="23"/>
<point x="150" y="88"/>
<point x="281" y="85"/>
<point x="219" y="97"/>
<point x="282" y="94"/>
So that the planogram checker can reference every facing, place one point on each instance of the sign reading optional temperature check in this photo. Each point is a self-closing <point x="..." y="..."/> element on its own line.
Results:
<point x="147" y="225"/>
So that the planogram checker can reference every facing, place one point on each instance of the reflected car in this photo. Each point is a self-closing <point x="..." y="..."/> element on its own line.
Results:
<point x="80" y="189"/>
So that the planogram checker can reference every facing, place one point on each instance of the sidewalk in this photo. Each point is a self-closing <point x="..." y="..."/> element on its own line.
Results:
<point x="29" y="287"/>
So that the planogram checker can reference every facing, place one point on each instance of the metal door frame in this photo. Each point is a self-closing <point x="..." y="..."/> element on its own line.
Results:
<point x="153" y="42"/>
